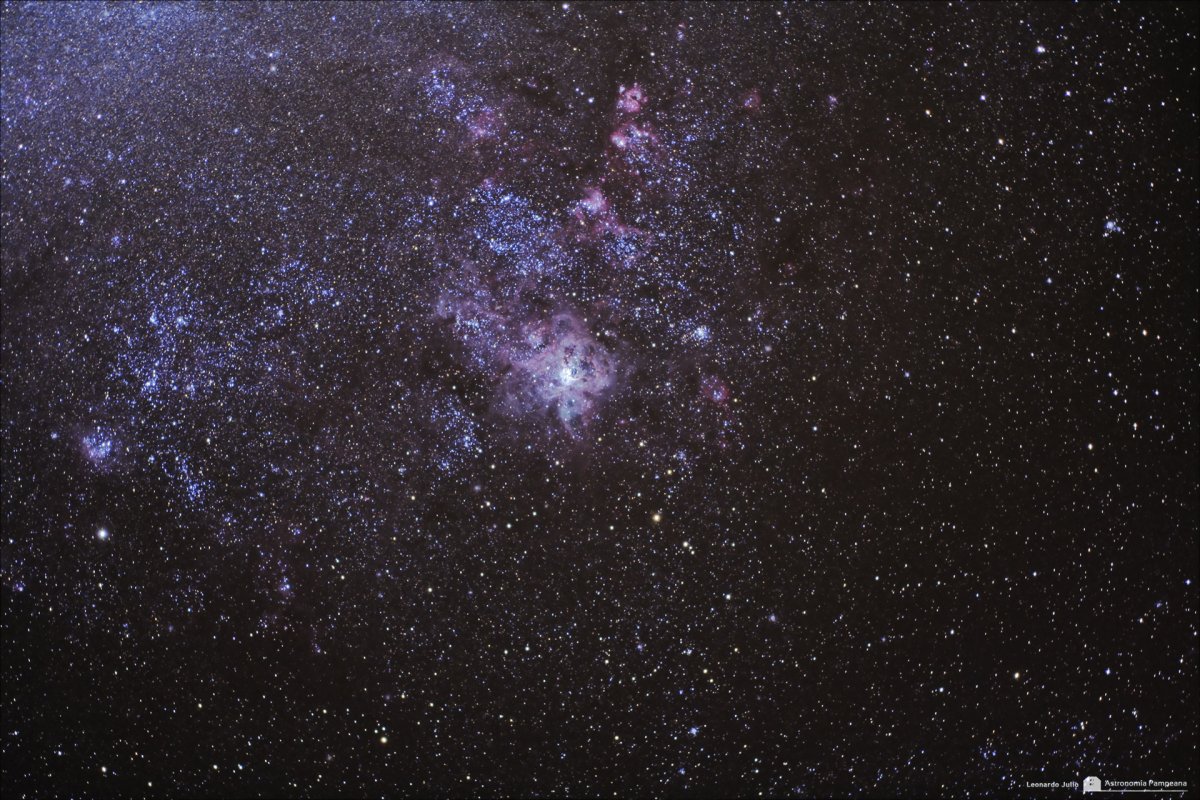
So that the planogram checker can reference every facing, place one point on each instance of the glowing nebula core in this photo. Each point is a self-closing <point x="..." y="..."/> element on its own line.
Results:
<point x="561" y="368"/>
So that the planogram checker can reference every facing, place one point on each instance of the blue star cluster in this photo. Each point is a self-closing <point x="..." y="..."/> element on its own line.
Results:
<point x="581" y="399"/>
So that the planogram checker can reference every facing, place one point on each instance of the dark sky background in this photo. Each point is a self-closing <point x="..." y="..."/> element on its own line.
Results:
<point x="598" y="399"/>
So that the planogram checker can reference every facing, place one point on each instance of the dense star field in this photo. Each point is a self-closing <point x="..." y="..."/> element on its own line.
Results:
<point x="596" y="399"/>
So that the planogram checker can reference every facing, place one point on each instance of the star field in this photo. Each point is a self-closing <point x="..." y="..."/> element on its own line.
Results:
<point x="597" y="399"/>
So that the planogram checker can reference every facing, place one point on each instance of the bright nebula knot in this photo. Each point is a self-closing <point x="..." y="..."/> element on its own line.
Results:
<point x="560" y="369"/>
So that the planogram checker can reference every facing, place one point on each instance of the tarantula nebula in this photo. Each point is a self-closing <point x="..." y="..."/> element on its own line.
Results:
<point x="562" y="369"/>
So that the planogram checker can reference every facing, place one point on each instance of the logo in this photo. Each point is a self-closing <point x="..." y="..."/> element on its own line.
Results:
<point x="1091" y="784"/>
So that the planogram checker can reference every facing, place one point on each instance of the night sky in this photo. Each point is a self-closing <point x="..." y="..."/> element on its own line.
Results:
<point x="598" y="399"/>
